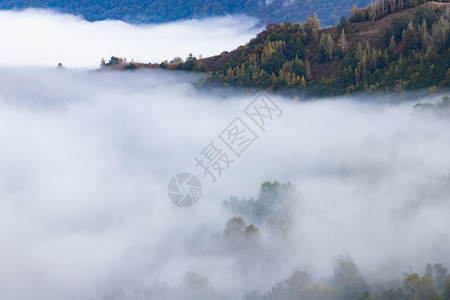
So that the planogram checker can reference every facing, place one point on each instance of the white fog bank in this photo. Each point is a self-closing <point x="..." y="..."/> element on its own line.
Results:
<point x="44" y="38"/>
<point x="86" y="157"/>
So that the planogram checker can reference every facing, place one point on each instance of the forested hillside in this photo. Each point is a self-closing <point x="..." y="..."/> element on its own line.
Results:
<point x="392" y="45"/>
<point x="136" y="11"/>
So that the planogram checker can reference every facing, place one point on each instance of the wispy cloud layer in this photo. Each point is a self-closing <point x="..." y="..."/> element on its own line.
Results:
<point x="86" y="158"/>
<point x="44" y="38"/>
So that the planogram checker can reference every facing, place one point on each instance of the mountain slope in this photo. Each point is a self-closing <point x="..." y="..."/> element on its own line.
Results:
<point x="396" y="52"/>
<point x="136" y="11"/>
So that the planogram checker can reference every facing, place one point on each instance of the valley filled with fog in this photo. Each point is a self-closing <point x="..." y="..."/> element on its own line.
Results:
<point x="86" y="157"/>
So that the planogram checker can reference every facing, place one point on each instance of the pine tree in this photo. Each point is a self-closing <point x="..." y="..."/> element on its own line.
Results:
<point x="357" y="76"/>
<point x="343" y="41"/>
<point x="353" y="11"/>
<point x="303" y="82"/>
<point x="439" y="33"/>
<point x="427" y="40"/>
<point x="315" y="27"/>
<point x="230" y="74"/>
<point x="392" y="45"/>
<point x="373" y="11"/>
<point x="308" y="71"/>
<point x="326" y="47"/>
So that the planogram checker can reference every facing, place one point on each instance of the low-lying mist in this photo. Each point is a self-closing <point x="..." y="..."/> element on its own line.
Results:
<point x="45" y="38"/>
<point x="86" y="157"/>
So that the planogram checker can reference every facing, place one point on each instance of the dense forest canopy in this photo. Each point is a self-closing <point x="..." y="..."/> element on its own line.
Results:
<point x="136" y="11"/>
<point x="389" y="49"/>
